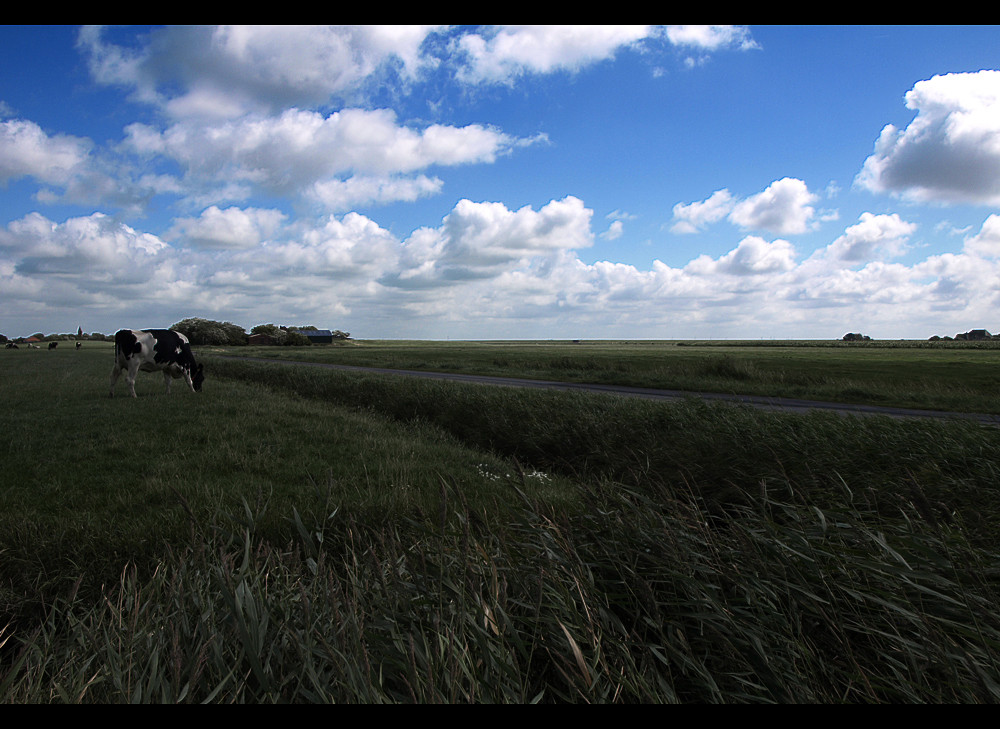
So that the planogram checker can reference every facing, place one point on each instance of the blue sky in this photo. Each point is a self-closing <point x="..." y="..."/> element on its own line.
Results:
<point x="433" y="182"/>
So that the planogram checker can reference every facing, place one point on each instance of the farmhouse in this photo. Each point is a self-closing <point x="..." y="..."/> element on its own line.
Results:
<point x="317" y="336"/>
<point x="261" y="339"/>
<point x="976" y="335"/>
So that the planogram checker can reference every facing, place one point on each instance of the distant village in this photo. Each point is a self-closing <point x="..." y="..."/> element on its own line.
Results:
<point x="973" y="335"/>
<point x="200" y="331"/>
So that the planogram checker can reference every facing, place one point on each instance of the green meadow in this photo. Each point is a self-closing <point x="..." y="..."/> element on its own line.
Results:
<point x="944" y="375"/>
<point x="310" y="535"/>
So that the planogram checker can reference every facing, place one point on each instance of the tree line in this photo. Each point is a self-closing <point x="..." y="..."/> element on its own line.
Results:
<point x="204" y="331"/>
<point x="224" y="333"/>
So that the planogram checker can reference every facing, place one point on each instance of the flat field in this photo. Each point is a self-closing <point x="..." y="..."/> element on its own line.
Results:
<point x="314" y="535"/>
<point x="946" y="375"/>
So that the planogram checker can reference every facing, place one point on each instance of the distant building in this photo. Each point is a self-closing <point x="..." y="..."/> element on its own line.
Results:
<point x="261" y="339"/>
<point x="975" y="335"/>
<point x="317" y="336"/>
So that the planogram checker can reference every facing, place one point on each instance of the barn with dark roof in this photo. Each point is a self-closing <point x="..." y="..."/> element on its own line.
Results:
<point x="317" y="336"/>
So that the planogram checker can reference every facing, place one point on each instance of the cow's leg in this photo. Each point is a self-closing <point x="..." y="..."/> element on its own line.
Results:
<point x="114" y="378"/>
<point x="167" y="378"/>
<point x="133" y="371"/>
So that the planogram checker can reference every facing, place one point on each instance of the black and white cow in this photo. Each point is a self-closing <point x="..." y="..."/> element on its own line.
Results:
<point x="153" y="350"/>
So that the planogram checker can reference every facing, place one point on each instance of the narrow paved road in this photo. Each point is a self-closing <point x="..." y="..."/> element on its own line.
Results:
<point x="772" y="403"/>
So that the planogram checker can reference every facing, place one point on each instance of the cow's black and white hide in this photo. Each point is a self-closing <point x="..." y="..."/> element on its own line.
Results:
<point x="155" y="350"/>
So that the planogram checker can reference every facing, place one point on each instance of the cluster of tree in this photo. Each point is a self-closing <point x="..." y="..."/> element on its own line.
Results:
<point x="283" y="336"/>
<point x="207" y="331"/>
<point x="973" y="335"/>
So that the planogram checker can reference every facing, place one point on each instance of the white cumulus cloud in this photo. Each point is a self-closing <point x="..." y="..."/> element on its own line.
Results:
<point x="872" y="236"/>
<point x="230" y="228"/>
<point x="229" y="71"/>
<point x="692" y="217"/>
<point x="500" y="54"/>
<point x="26" y="150"/>
<point x="303" y="152"/>
<point x="504" y="53"/>
<point x="92" y="251"/>
<point x="753" y="255"/>
<point x="784" y="207"/>
<point x="950" y="152"/>
<point x="479" y="240"/>
<point x="711" y="37"/>
<point x="986" y="243"/>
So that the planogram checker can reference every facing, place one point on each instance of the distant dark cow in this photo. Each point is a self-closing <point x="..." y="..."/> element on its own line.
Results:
<point x="78" y="345"/>
<point x="155" y="350"/>
<point x="53" y="345"/>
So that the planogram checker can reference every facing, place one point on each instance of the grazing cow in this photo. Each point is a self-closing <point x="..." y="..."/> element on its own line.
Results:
<point x="78" y="345"/>
<point x="153" y="350"/>
<point x="53" y="345"/>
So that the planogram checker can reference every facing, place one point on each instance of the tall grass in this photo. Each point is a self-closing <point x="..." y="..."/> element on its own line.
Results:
<point x="639" y="599"/>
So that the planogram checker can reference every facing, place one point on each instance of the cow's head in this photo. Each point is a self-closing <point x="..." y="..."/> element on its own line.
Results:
<point x="197" y="378"/>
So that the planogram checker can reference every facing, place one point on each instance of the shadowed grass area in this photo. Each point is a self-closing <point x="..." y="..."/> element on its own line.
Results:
<point x="637" y="599"/>
<point x="552" y="546"/>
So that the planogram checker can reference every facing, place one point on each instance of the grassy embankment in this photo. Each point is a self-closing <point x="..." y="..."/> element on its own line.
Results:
<point x="334" y="536"/>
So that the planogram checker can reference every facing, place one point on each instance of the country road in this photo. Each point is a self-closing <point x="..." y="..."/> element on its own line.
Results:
<point x="771" y="403"/>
